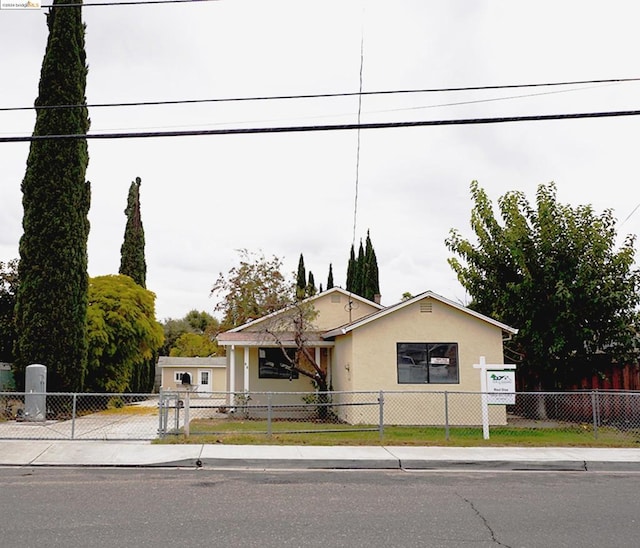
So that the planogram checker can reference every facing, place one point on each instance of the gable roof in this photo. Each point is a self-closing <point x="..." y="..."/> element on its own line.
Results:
<point x="343" y="330"/>
<point x="351" y="295"/>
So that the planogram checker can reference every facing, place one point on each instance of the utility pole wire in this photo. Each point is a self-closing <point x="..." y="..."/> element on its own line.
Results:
<point x="336" y="127"/>
<point x="126" y="3"/>
<point x="323" y="95"/>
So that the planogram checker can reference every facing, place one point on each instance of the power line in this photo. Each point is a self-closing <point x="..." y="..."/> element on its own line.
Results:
<point x="126" y="3"/>
<point x="324" y="95"/>
<point x="335" y="127"/>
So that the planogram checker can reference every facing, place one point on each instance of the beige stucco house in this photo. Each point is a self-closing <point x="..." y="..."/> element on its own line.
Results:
<point x="423" y="344"/>
<point x="206" y="374"/>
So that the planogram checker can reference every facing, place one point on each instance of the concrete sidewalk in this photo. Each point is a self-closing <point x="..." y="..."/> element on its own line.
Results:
<point x="272" y="457"/>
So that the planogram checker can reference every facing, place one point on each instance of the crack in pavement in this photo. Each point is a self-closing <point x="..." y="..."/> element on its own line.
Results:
<point x="486" y="523"/>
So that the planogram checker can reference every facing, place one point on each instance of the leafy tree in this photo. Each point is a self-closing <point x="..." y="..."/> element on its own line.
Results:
<point x="173" y="329"/>
<point x="124" y="336"/>
<point x="553" y="272"/>
<point x="8" y="290"/>
<point x="330" y="277"/>
<point x="296" y="322"/>
<point x="51" y="308"/>
<point x="195" y="345"/>
<point x="201" y="324"/>
<point x="254" y="288"/>
<point x="132" y="259"/>
<point x="301" y="280"/>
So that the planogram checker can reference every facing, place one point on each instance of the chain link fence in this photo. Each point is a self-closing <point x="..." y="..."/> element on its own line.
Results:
<point x="610" y="417"/>
<point x="67" y="416"/>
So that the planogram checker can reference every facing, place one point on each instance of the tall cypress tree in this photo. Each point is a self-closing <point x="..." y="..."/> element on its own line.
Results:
<point x="132" y="260"/>
<point x="301" y="280"/>
<point x="51" y="308"/>
<point x="351" y="271"/>
<point x="371" y="282"/>
<point x="360" y="272"/>
<point x="330" y="277"/>
<point x="311" y="286"/>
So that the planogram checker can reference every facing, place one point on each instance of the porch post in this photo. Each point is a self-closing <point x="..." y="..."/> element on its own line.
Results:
<point x="246" y="369"/>
<point x="232" y="375"/>
<point x="318" y="359"/>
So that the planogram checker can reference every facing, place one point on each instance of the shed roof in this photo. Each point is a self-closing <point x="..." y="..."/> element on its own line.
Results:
<point x="174" y="361"/>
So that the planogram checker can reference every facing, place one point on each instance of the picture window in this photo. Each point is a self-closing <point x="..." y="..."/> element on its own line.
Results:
<point x="272" y="364"/>
<point x="427" y="363"/>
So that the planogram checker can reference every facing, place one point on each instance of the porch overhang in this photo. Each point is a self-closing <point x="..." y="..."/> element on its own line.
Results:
<point x="253" y="338"/>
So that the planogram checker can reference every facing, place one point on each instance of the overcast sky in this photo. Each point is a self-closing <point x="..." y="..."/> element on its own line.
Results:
<point x="284" y="194"/>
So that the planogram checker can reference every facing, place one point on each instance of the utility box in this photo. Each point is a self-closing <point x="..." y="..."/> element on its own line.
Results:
<point x="35" y="387"/>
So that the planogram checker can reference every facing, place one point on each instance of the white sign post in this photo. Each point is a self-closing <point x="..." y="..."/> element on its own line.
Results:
<point x="498" y="387"/>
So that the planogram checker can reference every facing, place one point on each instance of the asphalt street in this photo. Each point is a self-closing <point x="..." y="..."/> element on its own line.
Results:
<point x="89" y="507"/>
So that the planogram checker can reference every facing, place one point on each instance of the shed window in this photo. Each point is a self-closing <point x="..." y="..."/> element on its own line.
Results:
<point x="428" y="363"/>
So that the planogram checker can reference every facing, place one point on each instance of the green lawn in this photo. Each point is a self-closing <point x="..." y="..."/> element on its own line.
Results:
<point x="254" y="432"/>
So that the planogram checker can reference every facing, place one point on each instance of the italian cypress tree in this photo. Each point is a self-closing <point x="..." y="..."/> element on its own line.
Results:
<point x="51" y="307"/>
<point x="351" y="271"/>
<point x="330" y="277"/>
<point x="371" y="281"/>
<point x="311" y="286"/>
<point x="132" y="260"/>
<point x="360" y="272"/>
<point x="301" y="280"/>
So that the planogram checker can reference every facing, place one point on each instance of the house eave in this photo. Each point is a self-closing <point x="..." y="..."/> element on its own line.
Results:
<point x="344" y="329"/>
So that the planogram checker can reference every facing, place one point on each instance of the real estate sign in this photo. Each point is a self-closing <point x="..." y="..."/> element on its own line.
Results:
<point x="501" y="387"/>
<point x="498" y="387"/>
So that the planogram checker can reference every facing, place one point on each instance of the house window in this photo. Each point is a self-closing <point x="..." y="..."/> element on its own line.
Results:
<point x="428" y="363"/>
<point x="272" y="364"/>
<point x="204" y="378"/>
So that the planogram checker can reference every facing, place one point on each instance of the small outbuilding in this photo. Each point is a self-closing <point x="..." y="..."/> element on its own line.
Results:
<point x="205" y="374"/>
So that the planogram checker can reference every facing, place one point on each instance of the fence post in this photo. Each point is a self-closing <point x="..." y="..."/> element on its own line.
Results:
<point x="73" y="416"/>
<point x="187" y="404"/>
<point x="446" y="415"/>
<point x="595" y="414"/>
<point x="176" y="415"/>
<point x="269" y="395"/>
<point x="162" y="424"/>
<point x="381" y="417"/>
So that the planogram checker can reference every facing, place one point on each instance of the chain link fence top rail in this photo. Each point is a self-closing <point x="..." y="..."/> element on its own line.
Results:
<point x="608" y="416"/>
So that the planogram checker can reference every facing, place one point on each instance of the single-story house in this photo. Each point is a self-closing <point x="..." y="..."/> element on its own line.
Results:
<point x="423" y="344"/>
<point x="206" y="374"/>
